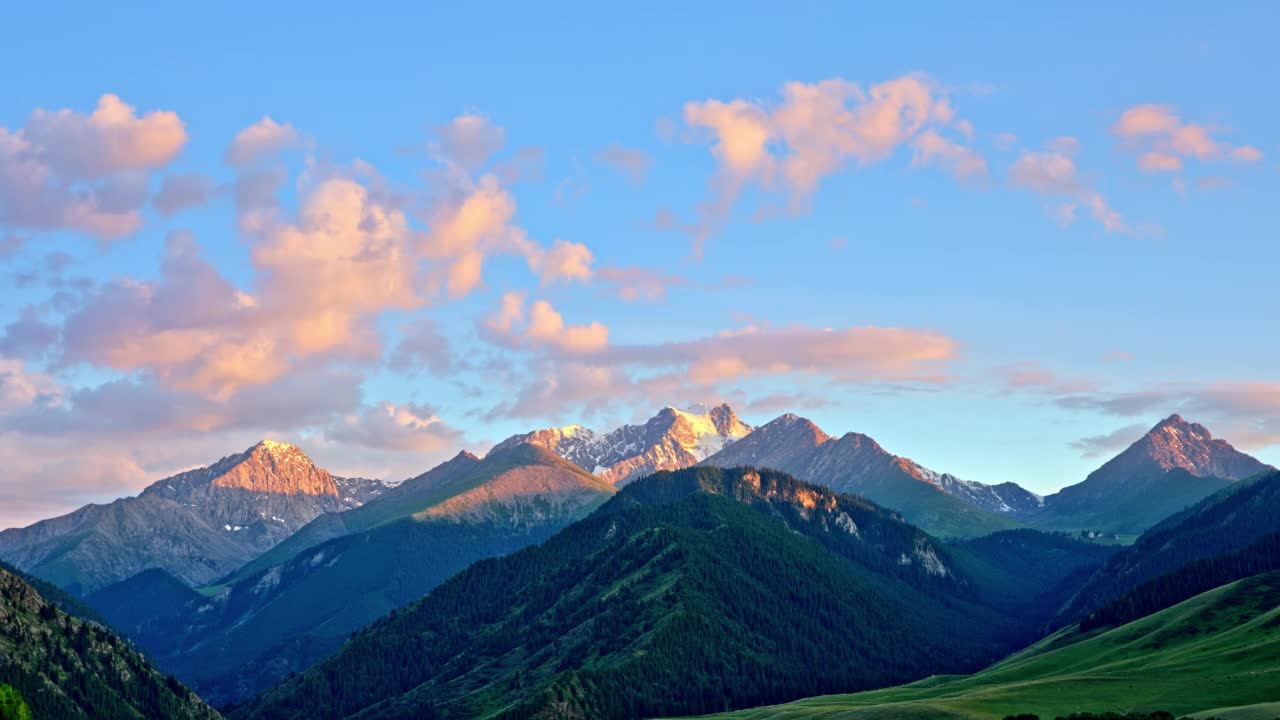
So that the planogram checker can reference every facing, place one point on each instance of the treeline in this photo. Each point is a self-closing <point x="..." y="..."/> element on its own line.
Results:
<point x="1187" y="582"/>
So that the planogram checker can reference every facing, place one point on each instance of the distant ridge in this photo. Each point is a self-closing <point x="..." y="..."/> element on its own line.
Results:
<point x="196" y="525"/>
<point x="855" y="463"/>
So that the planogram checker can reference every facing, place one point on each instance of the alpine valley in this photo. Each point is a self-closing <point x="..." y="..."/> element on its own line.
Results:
<point x="689" y="564"/>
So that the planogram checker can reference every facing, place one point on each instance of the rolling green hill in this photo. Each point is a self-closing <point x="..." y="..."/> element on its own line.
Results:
<point x="1217" y="653"/>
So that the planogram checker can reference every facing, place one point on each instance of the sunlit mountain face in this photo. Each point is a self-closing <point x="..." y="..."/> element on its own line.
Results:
<point x="630" y="362"/>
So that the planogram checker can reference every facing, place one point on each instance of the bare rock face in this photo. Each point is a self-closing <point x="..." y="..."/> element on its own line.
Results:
<point x="670" y="440"/>
<point x="197" y="525"/>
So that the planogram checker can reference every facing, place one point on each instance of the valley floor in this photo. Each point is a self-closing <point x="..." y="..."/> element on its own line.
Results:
<point x="1216" y="654"/>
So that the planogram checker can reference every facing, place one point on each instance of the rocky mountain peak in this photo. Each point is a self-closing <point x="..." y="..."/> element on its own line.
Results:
<point x="1178" y="443"/>
<point x="277" y="468"/>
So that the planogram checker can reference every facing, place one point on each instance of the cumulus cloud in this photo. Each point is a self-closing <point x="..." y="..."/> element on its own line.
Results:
<point x="1053" y="172"/>
<point x="1162" y="139"/>
<point x="934" y="149"/>
<point x="261" y="140"/>
<point x="469" y="140"/>
<point x="29" y="335"/>
<point x="545" y="328"/>
<point x="66" y="170"/>
<point x="401" y="428"/>
<point x="562" y="261"/>
<point x="320" y="276"/>
<point x="183" y="192"/>
<point x="818" y="129"/>
<point x="422" y="345"/>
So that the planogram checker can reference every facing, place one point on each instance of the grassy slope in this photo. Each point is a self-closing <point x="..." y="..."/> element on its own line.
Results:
<point x="1218" y="650"/>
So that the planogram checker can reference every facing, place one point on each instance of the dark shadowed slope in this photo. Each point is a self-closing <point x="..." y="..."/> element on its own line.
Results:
<point x="67" y="669"/>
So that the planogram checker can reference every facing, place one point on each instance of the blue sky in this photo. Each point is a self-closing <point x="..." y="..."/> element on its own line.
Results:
<point x="953" y="312"/>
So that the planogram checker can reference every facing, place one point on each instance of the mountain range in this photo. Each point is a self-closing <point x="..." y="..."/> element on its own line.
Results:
<point x="855" y="463"/>
<point x="197" y="525"/>
<point x="723" y="541"/>
<point x="238" y="637"/>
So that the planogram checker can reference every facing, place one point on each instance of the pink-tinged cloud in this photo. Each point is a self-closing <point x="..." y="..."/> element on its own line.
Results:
<point x="111" y="140"/>
<point x="469" y="140"/>
<point x="510" y="312"/>
<point x="88" y="173"/>
<point x="618" y="375"/>
<point x="819" y="129"/>
<point x="1033" y="377"/>
<point x="637" y="283"/>
<point x="1162" y="139"/>
<point x="400" y="428"/>
<point x="261" y="140"/>
<point x="1159" y="162"/>
<point x="1053" y="172"/>
<point x="856" y="353"/>
<point x="1246" y="154"/>
<point x="1142" y="120"/>
<point x="934" y="149"/>
<point x="21" y="387"/>
<point x="541" y="327"/>
<point x="547" y="327"/>
<point x="183" y="192"/>
<point x="562" y="261"/>
<point x="1247" y="413"/>
<point x="346" y="257"/>
<point x="319" y="280"/>
<point x="632" y="163"/>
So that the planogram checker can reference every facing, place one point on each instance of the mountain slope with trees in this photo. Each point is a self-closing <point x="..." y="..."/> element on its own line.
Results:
<point x="65" y="668"/>
<point x="690" y="591"/>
